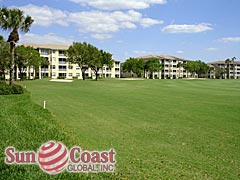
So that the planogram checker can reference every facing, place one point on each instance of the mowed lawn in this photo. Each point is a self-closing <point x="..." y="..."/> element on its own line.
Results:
<point x="161" y="129"/>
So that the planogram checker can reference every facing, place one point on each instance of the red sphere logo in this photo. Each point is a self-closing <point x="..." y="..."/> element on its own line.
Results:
<point x="53" y="157"/>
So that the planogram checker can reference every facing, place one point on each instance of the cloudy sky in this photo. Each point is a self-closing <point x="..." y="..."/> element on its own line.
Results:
<point x="205" y="30"/>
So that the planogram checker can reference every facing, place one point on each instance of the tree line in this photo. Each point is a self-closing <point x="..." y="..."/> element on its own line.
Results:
<point x="21" y="57"/>
<point x="87" y="56"/>
<point x="140" y="67"/>
<point x="24" y="58"/>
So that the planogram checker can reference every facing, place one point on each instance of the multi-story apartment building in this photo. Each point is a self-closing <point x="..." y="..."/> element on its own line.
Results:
<point x="172" y="67"/>
<point x="220" y="70"/>
<point x="59" y="67"/>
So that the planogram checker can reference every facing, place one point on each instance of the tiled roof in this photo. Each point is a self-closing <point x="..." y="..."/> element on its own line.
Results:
<point x="223" y="62"/>
<point x="162" y="57"/>
<point x="48" y="46"/>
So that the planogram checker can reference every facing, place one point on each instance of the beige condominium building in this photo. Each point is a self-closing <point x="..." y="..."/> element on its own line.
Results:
<point x="59" y="67"/>
<point x="172" y="67"/>
<point x="222" y="70"/>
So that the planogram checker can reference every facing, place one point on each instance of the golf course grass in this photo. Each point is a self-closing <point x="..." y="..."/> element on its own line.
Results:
<point x="160" y="129"/>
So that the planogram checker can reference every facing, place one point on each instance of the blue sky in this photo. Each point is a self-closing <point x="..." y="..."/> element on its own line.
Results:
<point x="206" y="30"/>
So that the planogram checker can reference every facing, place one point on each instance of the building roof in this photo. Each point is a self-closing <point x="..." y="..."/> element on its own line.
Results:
<point x="48" y="46"/>
<point x="163" y="57"/>
<point x="223" y="62"/>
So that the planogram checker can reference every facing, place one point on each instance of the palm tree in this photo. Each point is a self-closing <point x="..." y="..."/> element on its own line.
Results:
<point x="233" y="60"/>
<point x="14" y="20"/>
<point x="228" y="61"/>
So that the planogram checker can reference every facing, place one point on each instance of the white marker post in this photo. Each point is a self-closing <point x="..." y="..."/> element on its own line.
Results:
<point x="44" y="104"/>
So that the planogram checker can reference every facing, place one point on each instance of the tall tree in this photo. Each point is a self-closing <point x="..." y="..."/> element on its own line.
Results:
<point x="228" y="61"/>
<point x="192" y="67"/>
<point x="106" y="59"/>
<point x="94" y="59"/>
<point x="14" y="20"/>
<point x="219" y="72"/>
<point x="4" y="57"/>
<point x="203" y="69"/>
<point x="27" y="57"/>
<point x="78" y="54"/>
<point x="130" y="65"/>
<point x="153" y="65"/>
<point x="140" y="67"/>
<point x="234" y="66"/>
<point x="137" y="66"/>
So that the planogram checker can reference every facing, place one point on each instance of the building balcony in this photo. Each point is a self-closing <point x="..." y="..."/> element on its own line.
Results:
<point x="62" y="62"/>
<point x="63" y="70"/>
<point x="44" y="69"/>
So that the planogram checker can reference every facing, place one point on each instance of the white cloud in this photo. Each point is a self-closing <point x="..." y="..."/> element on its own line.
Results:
<point x="121" y="4"/>
<point x="45" y="16"/>
<point x="147" y="22"/>
<point x="45" y="39"/>
<point x="230" y="39"/>
<point x="212" y="49"/>
<point x="187" y="28"/>
<point x="101" y="36"/>
<point x="100" y="24"/>
<point x="180" y="52"/>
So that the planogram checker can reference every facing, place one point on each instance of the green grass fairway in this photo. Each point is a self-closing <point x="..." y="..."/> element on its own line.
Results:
<point x="161" y="129"/>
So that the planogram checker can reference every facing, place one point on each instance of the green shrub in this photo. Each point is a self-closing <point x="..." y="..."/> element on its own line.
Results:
<point x="61" y="77"/>
<point x="6" y="89"/>
<point x="16" y="89"/>
<point x="2" y="82"/>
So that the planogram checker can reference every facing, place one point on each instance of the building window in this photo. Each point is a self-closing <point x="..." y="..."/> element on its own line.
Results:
<point x="77" y="68"/>
<point x="44" y="51"/>
<point x="62" y="60"/>
<point x="70" y="74"/>
<point x="78" y="74"/>
<point x="62" y="75"/>
<point x="117" y="64"/>
<point x="62" y="68"/>
<point x="53" y="67"/>
<point x="61" y="53"/>
<point x="53" y="51"/>
<point x="70" y="67"/>
<point x="53" y="74"/>
<point x="53" y="59"/>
